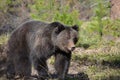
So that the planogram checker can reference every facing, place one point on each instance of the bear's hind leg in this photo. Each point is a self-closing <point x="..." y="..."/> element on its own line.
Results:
<point x="22" y="65"/>
<point x="10" y="73"/>
<point x="39" y="68"/>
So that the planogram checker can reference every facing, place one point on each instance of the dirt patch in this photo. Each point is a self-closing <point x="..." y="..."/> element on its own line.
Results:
<point x="74" y="73"/>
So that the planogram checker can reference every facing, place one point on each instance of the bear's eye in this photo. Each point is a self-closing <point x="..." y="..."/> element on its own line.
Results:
<point x="75" y="40"/>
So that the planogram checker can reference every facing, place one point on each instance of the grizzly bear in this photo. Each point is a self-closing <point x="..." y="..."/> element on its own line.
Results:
<point x="33" y="42"/>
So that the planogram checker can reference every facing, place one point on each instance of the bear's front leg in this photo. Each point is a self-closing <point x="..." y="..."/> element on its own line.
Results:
<point x="62" y="63"/>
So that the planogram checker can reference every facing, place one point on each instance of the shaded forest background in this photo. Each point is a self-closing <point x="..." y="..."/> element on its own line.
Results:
<point x="98" y="52"/>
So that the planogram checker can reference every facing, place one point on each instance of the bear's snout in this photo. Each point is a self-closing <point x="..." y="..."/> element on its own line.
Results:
<point x="71" y="46"/>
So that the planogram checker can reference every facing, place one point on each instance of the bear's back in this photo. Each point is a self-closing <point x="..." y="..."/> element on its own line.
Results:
<point x="31" y="26"/>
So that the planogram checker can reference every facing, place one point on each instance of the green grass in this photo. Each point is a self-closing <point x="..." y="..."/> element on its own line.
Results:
<point x="102" y="72"/>
<point x="51" y="60"/>
<point x="100" y="66"/>
<point x="3" y="39"/>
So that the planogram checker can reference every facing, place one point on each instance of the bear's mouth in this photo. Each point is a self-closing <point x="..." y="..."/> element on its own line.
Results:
<point x="73" y="48"/>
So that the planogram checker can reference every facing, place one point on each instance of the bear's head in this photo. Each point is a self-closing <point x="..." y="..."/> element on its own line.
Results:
<point x="65" y="37"/>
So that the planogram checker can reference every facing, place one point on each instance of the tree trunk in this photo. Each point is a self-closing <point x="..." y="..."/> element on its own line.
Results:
<point x="115" y="9"/>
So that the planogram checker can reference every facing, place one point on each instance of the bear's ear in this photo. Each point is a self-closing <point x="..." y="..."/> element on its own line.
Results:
<point x="59" y="27"/>
<point x="75" y="27"/>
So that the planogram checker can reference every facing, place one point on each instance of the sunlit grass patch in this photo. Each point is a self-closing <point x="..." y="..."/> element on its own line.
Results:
<point x="51" y="60"/>
<point x="111" y="59"/>
<point x="102" y="73"/>
<point x="4" y="38"/>
<point x="102" y="64"/>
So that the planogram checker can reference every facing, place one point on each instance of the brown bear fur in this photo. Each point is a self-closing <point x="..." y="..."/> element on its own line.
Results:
<point x="33" y="42"/>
